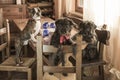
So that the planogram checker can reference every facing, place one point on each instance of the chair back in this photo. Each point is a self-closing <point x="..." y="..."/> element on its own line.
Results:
<point x="103" y="37"/>
<point x="5" y="40"/>
<point x="43" y="50"/>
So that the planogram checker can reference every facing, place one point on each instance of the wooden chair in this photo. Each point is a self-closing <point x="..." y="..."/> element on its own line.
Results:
<point x="9" y="64"/>
<point x="103" y="39"/>
<point x="3" y="31"/>
<point x="47" y="49"/>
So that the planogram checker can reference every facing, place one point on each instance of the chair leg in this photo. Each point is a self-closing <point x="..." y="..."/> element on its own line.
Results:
<point x="101" y="71"/>
<point x="82" y="71"/>
<point x="9" y="75"/>
<point x="3" y="55"/>
<point x="29" y="74"/>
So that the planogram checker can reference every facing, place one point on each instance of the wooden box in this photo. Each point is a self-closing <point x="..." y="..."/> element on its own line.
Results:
<point x="13" y="11"/>
<point x="7" y="1"/>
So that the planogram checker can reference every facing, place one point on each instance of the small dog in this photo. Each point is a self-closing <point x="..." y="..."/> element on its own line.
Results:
<point x="31" y="30"/>
<point x="62" y="32"/>
<point x="87" y="30"/>
<point x="61" y="37"/>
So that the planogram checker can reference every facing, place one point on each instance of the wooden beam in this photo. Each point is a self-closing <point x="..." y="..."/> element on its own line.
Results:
<point x="59" y="69"/>
<point x="39" y="58"/>
<point x="3" y="46"/>
<point x="79" y="58"/>
<point x="2" y="31"/>
<point x="42" y="4"/>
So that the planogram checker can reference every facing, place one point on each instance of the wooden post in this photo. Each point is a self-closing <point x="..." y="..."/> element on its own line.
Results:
<point x="29" y="74"/>
<point x="39" y="58"/>
<point x="79" y="58"/>
<point x="1" y="17"/>
<point x="8" y="39"/>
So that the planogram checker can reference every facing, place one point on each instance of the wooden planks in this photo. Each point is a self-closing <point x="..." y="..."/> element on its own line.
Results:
<point x="3" y="46"/>
<point x="39" y="59"/>
<point x="59" y="69"/>
<point x="11" y="61"/>
<point x="1" y="17"/>
<point x="46" y="49"/>
<point x="79" y="58"/>
<point x="44" y="4"/>
<point x="2" y="31"/>
<point x="21" y="23"/>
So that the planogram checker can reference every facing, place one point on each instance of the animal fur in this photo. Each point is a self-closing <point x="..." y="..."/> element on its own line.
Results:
<point x="63" y="28"/>
<point x="85" y="28"/>
<point x="31" y="30"/>
<point x="61" y="37"/>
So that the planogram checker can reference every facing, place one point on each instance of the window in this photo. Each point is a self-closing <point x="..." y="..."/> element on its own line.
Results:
<point x="79" y="6"/>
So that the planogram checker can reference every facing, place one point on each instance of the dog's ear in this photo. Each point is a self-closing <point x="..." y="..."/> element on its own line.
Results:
<point x="58" y="23"/>
<point x="81" y="26"/>
<point x="73" y="24"/>
<point x="91" y="24"/>
<point x="31" y="12"/>
<point x="39" y="11"/>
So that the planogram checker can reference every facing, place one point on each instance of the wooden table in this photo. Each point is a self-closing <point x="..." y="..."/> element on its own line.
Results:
<point x="43" y="19"/>
<point x="21" y="23"/>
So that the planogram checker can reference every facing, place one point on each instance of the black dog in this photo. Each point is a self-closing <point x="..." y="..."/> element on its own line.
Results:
<point x="61" y="37"/>
<point x="62" y="33"/>
<point x="87" y="30"/>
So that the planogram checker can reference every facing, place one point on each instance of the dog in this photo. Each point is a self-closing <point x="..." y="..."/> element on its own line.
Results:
<point x="61" y="36"/>
<point x="87" y="30"/>
<point x="62" y="32"/>
<point x="31" y="30"/>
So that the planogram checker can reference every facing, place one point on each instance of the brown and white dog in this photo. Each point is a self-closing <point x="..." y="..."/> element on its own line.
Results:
<point x="29" y="33"/>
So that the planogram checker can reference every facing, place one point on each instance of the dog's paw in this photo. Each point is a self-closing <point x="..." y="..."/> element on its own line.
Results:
<point x="33" y="38"/>
<point x="51" y="73"/>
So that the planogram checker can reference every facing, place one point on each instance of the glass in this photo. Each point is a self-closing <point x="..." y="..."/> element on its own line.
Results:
<point x="45" y="33"/>
<point x="48" y="25"/>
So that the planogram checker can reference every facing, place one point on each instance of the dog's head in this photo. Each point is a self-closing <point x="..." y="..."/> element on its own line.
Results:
<point x="35" y="13"/>
<point x="64" y="26"/>
<point x="87" y="30"/>
<point x="62" y="31"/>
